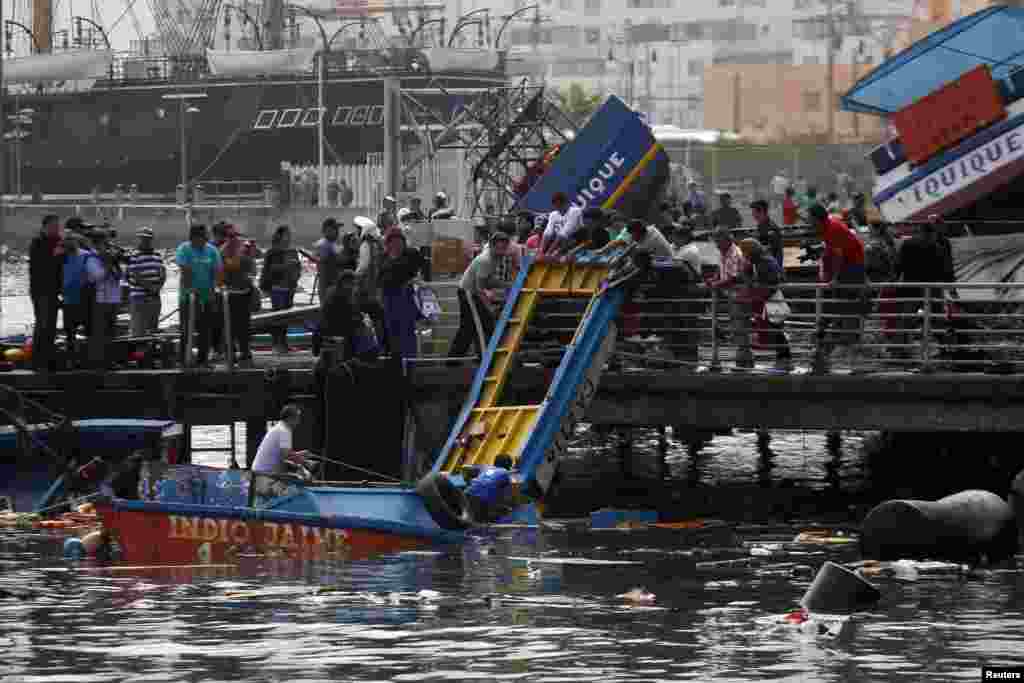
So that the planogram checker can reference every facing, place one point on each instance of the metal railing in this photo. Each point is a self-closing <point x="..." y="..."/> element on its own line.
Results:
<point x="877" y="327"/>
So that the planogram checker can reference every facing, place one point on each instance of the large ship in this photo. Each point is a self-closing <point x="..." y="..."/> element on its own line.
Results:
<point x="83" y="117"/>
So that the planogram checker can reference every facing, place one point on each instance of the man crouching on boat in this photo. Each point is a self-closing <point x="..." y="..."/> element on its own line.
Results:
<point x="275" y="451"/>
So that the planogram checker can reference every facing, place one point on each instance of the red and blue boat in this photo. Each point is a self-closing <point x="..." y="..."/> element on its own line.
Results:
<point x="185" y="513"/>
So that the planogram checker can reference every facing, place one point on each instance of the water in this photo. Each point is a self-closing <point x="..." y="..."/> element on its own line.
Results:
<point x="472" y="612"/>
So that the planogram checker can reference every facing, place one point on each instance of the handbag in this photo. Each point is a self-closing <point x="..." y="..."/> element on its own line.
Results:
<point x="776" y="309"/>
<point x="427" y="303"/>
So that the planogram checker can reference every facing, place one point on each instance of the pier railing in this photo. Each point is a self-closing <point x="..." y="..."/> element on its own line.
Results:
<point x="921" y="327"/>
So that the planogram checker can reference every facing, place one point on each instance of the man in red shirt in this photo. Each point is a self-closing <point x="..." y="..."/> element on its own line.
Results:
<point x="790" y="209"/>
<point x="842" y="268"/>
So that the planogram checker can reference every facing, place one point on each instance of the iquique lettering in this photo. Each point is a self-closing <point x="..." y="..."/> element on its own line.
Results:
<point x="598" y="186"/>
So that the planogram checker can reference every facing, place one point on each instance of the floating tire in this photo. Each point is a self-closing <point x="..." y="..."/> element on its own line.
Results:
<point x="445" y="503"/>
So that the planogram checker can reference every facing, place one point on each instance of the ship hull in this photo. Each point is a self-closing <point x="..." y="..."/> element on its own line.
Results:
<point x="243" y="130"/>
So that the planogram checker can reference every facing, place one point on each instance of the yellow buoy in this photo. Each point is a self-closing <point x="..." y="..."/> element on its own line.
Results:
<point x="14" y="355"/>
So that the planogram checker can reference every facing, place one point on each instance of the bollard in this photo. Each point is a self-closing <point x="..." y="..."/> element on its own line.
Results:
<point x="198" y="193"/>
<point x="229" y="344"/>
<point x="180" y="195"/>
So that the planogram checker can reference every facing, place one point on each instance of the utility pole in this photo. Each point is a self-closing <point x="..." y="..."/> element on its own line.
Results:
<point x="3" y="153"/>
<point x="830" y="114"/>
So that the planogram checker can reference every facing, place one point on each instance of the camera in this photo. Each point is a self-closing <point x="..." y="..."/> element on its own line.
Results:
<point x="812" y="250"/>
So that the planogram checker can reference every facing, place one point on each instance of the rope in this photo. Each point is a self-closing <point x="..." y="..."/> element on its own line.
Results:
<point x="357" y="469"/>
<point x="72" y="503"/>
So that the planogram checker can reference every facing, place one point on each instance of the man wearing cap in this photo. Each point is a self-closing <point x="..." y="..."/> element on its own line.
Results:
<point x="768" y="234"/>
<point x="415" y="210"/>
<point x="440" y="210"/>
<point x="476" y="298"/>
<point x="328" y="254"/>
<point x="730" y="281"/>
<point x="146" y="277"/>
<point x="726" y="215"/>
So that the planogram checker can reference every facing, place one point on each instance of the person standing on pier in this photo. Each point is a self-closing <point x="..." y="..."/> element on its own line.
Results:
<point x="79" y="295"/>
<point x="477" y="295"/>
<point x="842" y="267"/>
<point x="371" y="253"/>
<point x="730" y="280"/>
<point x="726" y="215"/>
<point x="280" y="278"/>
<point x="790" y="208"/>
<point x="768" y="234"/>
<point x="105" y="273"/>
<point x="239" y="263"/>
<point x="146" y="276"/>
<point x="45" y="279"/>
<point x="399" y="268"/>
<point x="201" y="266"/>
<point x="328" y="254"/>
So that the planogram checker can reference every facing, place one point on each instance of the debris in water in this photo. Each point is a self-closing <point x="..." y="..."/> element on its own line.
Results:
<point x="637" y="595"/>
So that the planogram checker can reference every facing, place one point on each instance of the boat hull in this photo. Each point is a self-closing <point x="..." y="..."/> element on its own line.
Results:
<point x="156" y="533"/>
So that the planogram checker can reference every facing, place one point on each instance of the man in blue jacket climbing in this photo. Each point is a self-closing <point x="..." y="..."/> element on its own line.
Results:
<point x="489" y="492"/>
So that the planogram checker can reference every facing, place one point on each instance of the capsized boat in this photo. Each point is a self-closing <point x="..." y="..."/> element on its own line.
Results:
<point x="956" y="99"/>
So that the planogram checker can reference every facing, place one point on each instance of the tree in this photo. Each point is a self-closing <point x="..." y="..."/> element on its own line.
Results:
<point x="578" y="104"/>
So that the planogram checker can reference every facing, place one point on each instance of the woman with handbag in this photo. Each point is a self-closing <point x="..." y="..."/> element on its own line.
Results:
<point x="239" y="262"/>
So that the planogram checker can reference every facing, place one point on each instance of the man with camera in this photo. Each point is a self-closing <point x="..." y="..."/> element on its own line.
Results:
<point x="146" y="277"/>
<point x="105" y="273"/>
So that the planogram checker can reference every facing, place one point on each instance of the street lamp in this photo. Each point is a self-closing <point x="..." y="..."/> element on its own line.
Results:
<point x="22" y="118"/>
<point x="632" y="75"/>
<point x="182" y="98"/>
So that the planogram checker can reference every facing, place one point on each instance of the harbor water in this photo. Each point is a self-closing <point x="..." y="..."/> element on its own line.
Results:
<point x="703" y="601"/>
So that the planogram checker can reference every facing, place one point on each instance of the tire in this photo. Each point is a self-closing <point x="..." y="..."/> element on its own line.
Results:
<point x="445" y="503"/>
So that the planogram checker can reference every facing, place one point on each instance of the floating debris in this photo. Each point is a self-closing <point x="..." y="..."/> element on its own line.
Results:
<point x="637" y="595"/>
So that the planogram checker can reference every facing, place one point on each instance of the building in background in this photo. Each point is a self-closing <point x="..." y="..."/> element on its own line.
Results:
<point x="711" y="64"/>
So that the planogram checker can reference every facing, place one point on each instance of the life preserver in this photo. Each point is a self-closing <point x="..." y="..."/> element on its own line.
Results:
<point x="445" y="503"/>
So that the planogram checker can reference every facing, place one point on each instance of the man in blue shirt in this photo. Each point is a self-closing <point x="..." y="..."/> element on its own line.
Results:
<point x="201" y="269"/>
<point x="488" y="492"/>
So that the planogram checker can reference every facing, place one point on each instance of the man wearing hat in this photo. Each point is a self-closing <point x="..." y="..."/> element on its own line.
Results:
<point x="146" y="277"/>
<point x="726" y="215"/>
<point x="387" y="217"/>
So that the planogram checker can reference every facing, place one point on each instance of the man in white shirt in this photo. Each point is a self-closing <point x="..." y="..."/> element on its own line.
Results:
<point x="646" y="237"/>
<point x="685" y="250"/>
<point x="563" y="223"/>
<point x="276" y="448"/>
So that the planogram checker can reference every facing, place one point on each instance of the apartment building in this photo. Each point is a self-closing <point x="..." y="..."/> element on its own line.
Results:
<point x="659" y="54"/>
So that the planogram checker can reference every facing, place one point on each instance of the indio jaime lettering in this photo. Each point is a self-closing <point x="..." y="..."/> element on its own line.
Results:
<point x="271" y="534"/>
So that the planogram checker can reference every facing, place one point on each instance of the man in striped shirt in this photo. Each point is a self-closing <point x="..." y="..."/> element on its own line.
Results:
<point x="146" y="276"/>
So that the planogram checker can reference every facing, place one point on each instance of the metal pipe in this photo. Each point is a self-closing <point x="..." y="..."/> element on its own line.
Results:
<point x="106" y="39"/>
<point x="926" y="331"/>
<point x="190" y="328"/>
<point x="716" y="362"/>
<point x="314" y="17"/>
<point x="26" y="29"/>
<point x="508" y="19"/>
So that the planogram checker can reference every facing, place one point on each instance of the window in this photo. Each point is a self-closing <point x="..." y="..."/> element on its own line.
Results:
<point x="265" y="119"/>
<point x="341" y="116"/>
<point x="359" y="116"/>
<point x="592" y="8"/>
<point x="812" y="59"/>
<point x="312" y="117"/>
<point x="289" y="117"/>
<point x="812" y="101"/>
<point x="565" y="5"/>
<point x="376" y="117"/>
<point x="695" y="67"/>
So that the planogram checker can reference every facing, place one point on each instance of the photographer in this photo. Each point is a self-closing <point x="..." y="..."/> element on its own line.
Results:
<point x="105" y="273"/>
<point x="146" y="275"/>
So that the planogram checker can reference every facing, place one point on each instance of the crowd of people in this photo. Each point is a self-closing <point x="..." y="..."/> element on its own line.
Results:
<point x="367" y="277"/>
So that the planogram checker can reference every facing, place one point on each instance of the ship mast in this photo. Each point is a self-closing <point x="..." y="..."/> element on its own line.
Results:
<point x="42" y="23"/>
<point x="272" y="14"/>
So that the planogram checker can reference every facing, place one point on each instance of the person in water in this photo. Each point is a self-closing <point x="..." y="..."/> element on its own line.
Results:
<point x="489" y="492"/>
